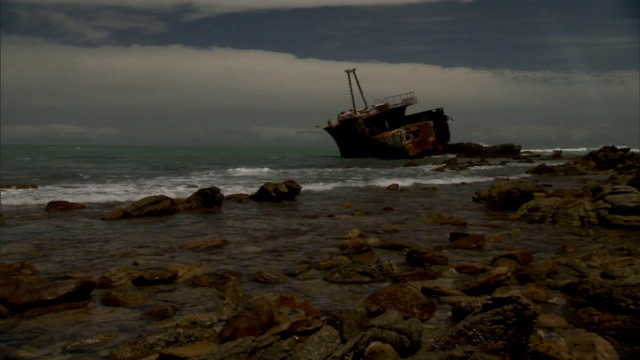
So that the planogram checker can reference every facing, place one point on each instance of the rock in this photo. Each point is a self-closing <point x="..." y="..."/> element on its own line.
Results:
<point x="551" y="321"/>
<point x="610" y="157"/>
<point x="500" y="325"/>
<point x="470" y="242"/>
<point x="393" y="187"/>
<point x="485" y="283"/>
<point x="426" y="257"/>
<point x="618" y="206"/>
<point x="522" y="256"/>
<point x="161" y="312"/>
<point x="204" y="245"/>
<point x="22" y="293"/>
<point x="568" y="169"/>
<point x="441" y="219"/>
<point x="122" y="298"/>
<point x="558" y="211"/>
<point x="469" y="268"/>
<point x="477" y="150"/>
<point x="404" y="298"/>
<point x="207" y="198"/>
<point x="601" y="294"/>
<point x="19" y="186"/>
<point x="353" y="274"/>
<point x="157" y="205"/>
<point x="380" y="351"/>
<point x="62" y="205"/>
<point x="535" y="293"/>
<point x="189" y="351"/>
<point x="319" y="345"/>
<point x="241" y="198"/>
<point x="509" y="195"/>
<point x="143" y="346"/>
<point x="569" y="344"/>
<point x="151" y="277"/>
<point x="269" y="277"/>
<point x="283" y="191"/>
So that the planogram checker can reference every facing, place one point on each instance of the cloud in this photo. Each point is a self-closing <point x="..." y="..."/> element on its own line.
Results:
<point x="209" y="7"/>
<point x="57" y="132"/>
<point x="222" y="96"/>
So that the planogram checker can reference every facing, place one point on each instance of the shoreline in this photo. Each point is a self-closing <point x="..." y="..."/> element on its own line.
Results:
<point x="323" y="254"/>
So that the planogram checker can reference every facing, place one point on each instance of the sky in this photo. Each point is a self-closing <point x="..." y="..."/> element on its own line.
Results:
<point x="538" y="73"/>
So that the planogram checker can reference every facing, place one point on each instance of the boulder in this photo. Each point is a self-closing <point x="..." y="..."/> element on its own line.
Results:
<point x="63" y="205"/>
<point x="207" y="198"/>
<point x="478" y="150"/>
<point x="509" y="195"/>
<point x="426" y="257"/>
<point x="499" y="325"/>
<point x="147" y="345"/>
<point x="157" y="205"/>
<point x="20" y="293"/>
<point x="404" y="298"/>
<point x="558" y="211"/>
<point x="618" y="206"/>
<point x="612" y="158"/>
<point x="282" y="191"/>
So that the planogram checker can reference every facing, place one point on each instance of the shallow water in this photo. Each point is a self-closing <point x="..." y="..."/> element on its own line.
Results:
<point x="262" y="237"/>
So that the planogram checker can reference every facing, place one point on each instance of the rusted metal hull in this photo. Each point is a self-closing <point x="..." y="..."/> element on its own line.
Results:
<point x="391" y="135"/>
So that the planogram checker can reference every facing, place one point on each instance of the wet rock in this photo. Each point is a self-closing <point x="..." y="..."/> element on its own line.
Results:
<point x="470" y="242"/>
<point x="157" y="205"/>
<point x="19" y="186"/>
<point x="22" y="293"/>
<point x="601" y="294"/>
<point x="406" y="299"/>
<point x="568" y="169"/>
<point x="568" y="344"/>
<point x="147" y="345"/>
<point x="612" y="158"/>
<point x="266" y="277"/>
<point x="558" y="211"/>
<point x="273" y="314"/>
<point x="486" y="282"/>
<point x="522" y="256"/>
<point x="551" y="321"/>
<point x="380" y="351"/>
<point x="618" y="206"/>
<point x="151" y="277"/>
<point x="207" y="198"/>
<point x="319" y="345"/>
<point x="353" y="274"/>
<point x="535" y="293"/>
<point x="283" y="191"/>
<point x="441" y="219"/>
<point x="241" y="198"/>
<point x="63" y="205"/>
<point x="88" y="344"/>
<point x="122" y="298"/>
<point x="393" y="187"/>
<point x="161" y="312"/>
<point x="509" y="195"/>
<point x="189" y="351"/>
<point x="117" y="277"/>
<point x="204" y="245"/>
<point x="426" y="257"/>
<point x="469" y="268"/>
<point x="500" y="324"/>
<point x="478" y="150"/>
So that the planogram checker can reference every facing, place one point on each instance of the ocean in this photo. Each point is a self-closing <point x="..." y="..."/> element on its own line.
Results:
<point x="338" y="195"/>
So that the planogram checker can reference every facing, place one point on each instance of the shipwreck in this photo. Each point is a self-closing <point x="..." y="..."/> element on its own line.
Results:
<point x="384" y="130"/>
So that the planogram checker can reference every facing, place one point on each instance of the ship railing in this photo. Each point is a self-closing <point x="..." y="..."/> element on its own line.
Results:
<point x="405" y="99"/>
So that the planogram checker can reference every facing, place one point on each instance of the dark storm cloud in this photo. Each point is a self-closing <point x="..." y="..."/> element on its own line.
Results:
<point x="539" y="73"/>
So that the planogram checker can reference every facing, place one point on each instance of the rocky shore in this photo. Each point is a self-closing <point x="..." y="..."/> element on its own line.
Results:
<point x="583" y="303"/>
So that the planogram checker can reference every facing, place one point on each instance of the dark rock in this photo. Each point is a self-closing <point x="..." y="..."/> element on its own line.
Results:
<point x="602" y="294"/>
<point x="283" y="191"/>
<point x="558" y="211"/>
<point x="143" y="346"/>
<point x="486" y="282"/>
<point x="208" y="198"/>
<point x="161" y="312"/>
<point x="121" y="298"/>
<point x="499" y="325"/>
<point x="62" y="205"/>
<point x="509" y="195"/>
<point x="478" y="150"/>
<point x="153" y="277"/>
<point x="241" y="198"/>
<point x="353" y="274"/>
<point x="568" y="169"/>
<point x="470" y="242"/>
<point x="571" y="344"/>
<point x="319" y="345"/>
<point x="157" y="205"/>
<point x="610" y="158"/>
<point x="20" y="293"/>
<point x="406" y="299"/>
<point x="426" y="257"/>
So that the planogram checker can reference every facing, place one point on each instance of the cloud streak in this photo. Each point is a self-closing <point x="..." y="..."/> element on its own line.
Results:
<point x="222" y="96"/>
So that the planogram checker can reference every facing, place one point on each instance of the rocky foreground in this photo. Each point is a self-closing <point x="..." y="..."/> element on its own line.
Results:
<point x="582" y="304"/>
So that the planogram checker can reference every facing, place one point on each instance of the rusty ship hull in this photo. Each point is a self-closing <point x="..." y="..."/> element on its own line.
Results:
<point x="384" y="130"/>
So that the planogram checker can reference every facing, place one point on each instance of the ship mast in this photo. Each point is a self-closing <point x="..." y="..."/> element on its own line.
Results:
<point x="353" y="101"/>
